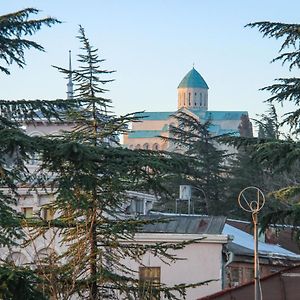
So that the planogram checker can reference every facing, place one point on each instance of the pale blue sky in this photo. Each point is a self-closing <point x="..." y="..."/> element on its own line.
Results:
<point x="152" y="45"/>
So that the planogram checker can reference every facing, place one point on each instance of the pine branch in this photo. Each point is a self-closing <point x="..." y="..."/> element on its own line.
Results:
<point x="13" y="27"/>
<point x="290" y="33"/>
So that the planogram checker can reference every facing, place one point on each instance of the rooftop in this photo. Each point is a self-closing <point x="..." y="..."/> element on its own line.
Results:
<point x="193" y="80"/>
<point x="185" y="224"/>
<point x="243" y="244"/>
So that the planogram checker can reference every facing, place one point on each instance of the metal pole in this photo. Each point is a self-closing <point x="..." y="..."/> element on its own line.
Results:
<point x="256" y="265"/>
<point x="254" y="207"/>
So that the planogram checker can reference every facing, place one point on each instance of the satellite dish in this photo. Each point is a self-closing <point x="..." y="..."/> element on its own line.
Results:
<point x="251" y="199"/>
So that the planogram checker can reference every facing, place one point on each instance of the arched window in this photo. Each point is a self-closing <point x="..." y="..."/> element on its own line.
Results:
<point x="34" y="158"/>
<point x="45" y="256"/>
<point x="17" y="258"/>
<point x="146" y="146"/>
<point x="155" y="147"/>
<point x="138" y="146"/>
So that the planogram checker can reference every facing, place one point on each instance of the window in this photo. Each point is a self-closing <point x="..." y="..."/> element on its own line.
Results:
<point x="27" y="211"/>
<point x="139" y="206"/>
<point x="149" y="280"/>
<point x="16" y="258"/>
<point x="200" y="99"/>
<point x="34" y="159"/>
<point x="47" y="213"/>
<point x="45" y="257"/>
<point x="249" y="275"/>
<point x="146" y="146"/>
<point x="138" y="146"/>
<point x="235" y="276"/>
<point x="155" y="147"/>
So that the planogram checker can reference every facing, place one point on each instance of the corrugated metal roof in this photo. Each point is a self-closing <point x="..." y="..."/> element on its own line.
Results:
<point x="185" y="224"/>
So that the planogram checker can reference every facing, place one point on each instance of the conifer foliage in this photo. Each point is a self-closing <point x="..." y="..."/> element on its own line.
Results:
<point x="16" y="147"/>
<point x="205" y="167"/>
<point x="14" y="27"/>
<point x="89" y="173"/>
<point x="282" y="155"/>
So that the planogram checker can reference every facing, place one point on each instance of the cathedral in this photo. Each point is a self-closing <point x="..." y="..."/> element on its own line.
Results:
<point x="192" y="99"/>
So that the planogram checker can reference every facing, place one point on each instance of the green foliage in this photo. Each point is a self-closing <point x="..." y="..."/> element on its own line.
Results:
<point x="89" y="173"/>
<point x="290" y="33"/>
<point x="287" y="89"/>
<point x="13" y="28"/>
<point x="244" y="172"/>
<point x="269" y="124"/>
<point x="205" y="166"/>
<point x="281" y="156"/>
<point x="19" y="283"/>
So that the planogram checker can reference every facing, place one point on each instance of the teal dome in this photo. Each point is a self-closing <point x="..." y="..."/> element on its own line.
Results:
<point x="193" y="80"/>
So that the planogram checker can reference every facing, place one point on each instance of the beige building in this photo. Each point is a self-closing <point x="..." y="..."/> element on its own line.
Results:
<point x="193" y="99"/>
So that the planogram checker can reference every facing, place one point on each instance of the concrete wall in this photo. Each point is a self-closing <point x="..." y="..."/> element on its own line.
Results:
<point x="202" y="262"/>
<point x="281" y="286"/>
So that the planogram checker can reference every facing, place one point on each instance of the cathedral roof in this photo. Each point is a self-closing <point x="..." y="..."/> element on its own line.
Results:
<point x="193" y="80"/>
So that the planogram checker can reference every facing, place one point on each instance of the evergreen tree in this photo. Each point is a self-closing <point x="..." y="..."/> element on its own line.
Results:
<point x="205" y="162"/>
<point x="269" y="124"/>
<point x="19" y="283"/>
<point x="89" y="173"/>
<point x="246" y="171"/>
<point x="283" y="155"/>
<point x="16" y="147"/>
<point x="13" y="28"/>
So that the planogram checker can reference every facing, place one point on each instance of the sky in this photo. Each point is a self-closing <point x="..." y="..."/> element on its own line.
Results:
<point x="152" y="45"/>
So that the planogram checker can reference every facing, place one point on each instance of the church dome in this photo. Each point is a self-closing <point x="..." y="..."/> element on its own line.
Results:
<point x="193" y="80"/>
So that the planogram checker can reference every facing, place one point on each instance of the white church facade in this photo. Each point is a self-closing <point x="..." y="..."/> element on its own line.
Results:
<point x="192" y="98"/>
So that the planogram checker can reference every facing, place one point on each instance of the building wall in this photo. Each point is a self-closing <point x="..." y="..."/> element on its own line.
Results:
<point x="155" y="143"/>
<point x="192" y="98"/>
<point x="150" y="124"/>
<point x="283" y="285"/>
<point x="44" y="128"/>
<point x="238" y="273"/>
<point x="202" y="262"/>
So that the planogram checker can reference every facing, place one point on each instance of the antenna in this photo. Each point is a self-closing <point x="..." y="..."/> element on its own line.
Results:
<point x="252" y="199"/>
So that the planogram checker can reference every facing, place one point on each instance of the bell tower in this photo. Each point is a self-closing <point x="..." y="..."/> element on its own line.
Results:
<point x="193" y="92"/>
